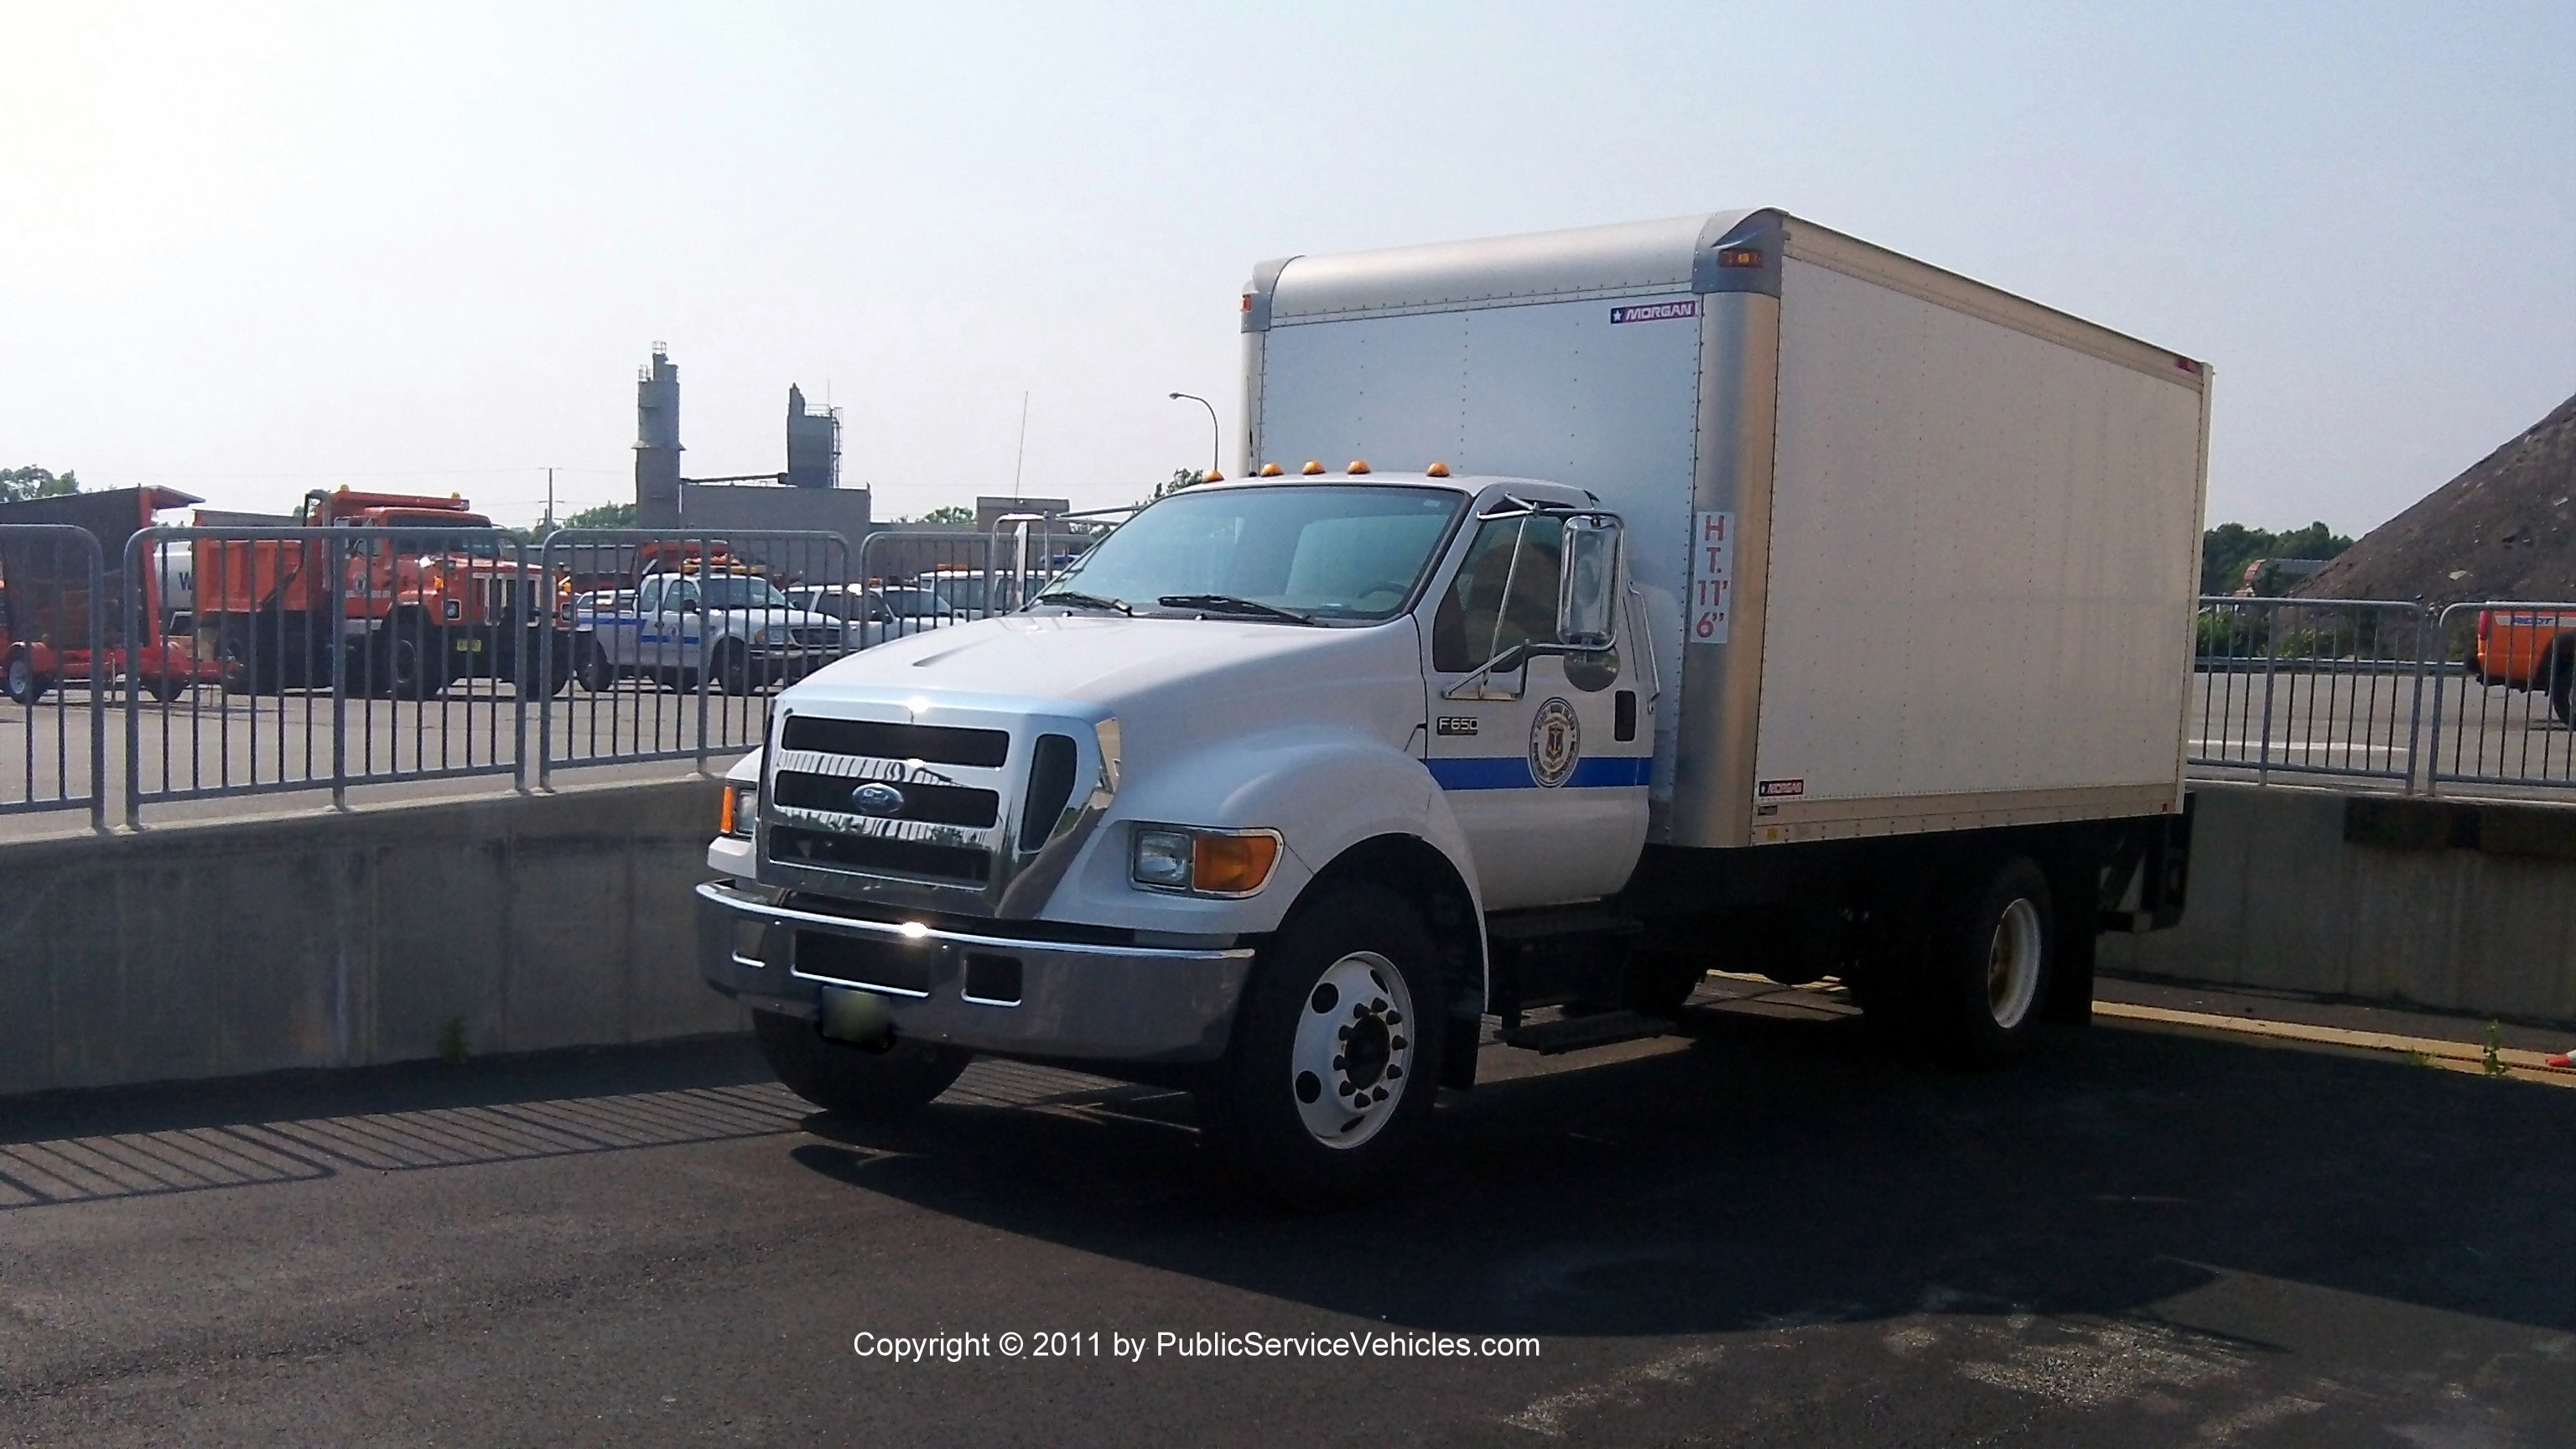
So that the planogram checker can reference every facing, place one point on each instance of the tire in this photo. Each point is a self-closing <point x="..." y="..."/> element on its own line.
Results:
<point x="20" y="681"/>
<point x="1345" y="1004"/>
<point x="1973" y="998"/>
<point x="873" y="1086"/>
<point x="2559" y="678"/>
<point x="732" y="669"/>
<point x="407" y="664"/>
<point x="168" y="688"/>
<point x="596" y="674"/>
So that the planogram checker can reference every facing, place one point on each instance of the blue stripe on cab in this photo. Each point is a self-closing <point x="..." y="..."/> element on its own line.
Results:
<point x="1512" y="772"/>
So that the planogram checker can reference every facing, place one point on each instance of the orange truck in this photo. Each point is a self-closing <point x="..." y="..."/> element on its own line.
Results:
<point x="2530" y="649"/>
<point x="46" y="605"/>
<point x="424" y="592"/>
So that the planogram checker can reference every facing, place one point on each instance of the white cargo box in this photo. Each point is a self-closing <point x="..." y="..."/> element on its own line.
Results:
<point x="1921" y="555"/>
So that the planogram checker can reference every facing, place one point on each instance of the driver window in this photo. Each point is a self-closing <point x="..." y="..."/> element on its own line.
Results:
<point x="681" y="595"/>
<point x="650" y="600"/>
<point x="1520" y="553"/>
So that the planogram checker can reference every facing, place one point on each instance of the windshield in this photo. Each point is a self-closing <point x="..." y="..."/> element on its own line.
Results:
<point x="720" y="593"/>
<point x="1321" y="551"/>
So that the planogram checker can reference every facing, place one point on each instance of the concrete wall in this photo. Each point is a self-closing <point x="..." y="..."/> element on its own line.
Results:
<point x="321" y="941"/>
<point x="2456" y="906"/>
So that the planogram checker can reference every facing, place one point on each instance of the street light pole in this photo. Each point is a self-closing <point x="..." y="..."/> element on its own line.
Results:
<point x="1216" y="430"/>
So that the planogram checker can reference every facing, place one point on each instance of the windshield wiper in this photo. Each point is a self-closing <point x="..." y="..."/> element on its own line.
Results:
<point x="1083" y="601"/>
<point x="1229" y="604"/>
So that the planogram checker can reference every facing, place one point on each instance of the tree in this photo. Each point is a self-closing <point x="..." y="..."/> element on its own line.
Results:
<point x="18" y="484"/>
<point x="2228" y="548"/>
<point x="606" y="515"/>
<point x="1181" y="478"/>
<point x="951" y="515"/>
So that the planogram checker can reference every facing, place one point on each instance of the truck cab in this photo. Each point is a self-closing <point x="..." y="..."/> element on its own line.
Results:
<point x="1270" y="743"/>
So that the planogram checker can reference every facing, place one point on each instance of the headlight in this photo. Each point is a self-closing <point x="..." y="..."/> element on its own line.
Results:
<point x="775" y="634"/>
<point x="1202" y="862"/>
<point x="740" y="812"/>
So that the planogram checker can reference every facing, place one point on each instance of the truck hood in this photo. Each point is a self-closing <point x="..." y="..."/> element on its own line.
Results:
<point x="1185" y="676"/>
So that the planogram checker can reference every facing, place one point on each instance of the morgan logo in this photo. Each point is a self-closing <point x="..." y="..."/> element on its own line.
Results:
<point x="1779" y="789"/>
<point x="1655" y="312"/>
<point x="1556" y="742"/>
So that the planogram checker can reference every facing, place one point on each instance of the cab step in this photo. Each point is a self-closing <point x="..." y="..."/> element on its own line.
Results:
<point x="1573" y="1033"/>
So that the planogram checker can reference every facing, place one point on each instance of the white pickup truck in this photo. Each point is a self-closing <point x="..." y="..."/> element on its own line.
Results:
<point x="728" y="631"/>
<point x="1750" y="598"/>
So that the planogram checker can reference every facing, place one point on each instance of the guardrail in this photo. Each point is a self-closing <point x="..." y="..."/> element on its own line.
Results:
<point x="59" y="600"/>
<point x="2298" y="686"/>
<point x="2508" y="721"/>
<point x="247" y="661"/>
<point x="239" y="661"/>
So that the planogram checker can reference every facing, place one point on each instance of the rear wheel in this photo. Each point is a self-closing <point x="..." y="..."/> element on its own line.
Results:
<point x="872" y="1085"/>
<point x="1333" y="1066"/>
<point x="1974" y="996"/>
<point x="20" y="681"/>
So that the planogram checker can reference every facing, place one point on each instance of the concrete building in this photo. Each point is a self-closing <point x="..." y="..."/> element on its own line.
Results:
<point x="807" y="495"/>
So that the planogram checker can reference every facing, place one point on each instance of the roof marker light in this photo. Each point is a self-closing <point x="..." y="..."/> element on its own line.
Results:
<point x="1314" y="466"/>
<point x="1436" y="470"/>
<point x="1740" y="257"/>
<point x="1270" y="470"/>
<point x="1213" y="476"/>
<point x="1359" y="466"/>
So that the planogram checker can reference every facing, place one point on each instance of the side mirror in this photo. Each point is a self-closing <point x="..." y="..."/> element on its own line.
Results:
<point x="1587" y="597"/>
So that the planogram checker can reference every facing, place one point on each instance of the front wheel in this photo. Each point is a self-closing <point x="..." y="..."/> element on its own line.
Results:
<point x="1332" y="1072"/>
<point x="871" y="1085"/>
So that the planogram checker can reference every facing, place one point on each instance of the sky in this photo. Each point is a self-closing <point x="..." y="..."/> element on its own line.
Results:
<point x="249" y="250"/>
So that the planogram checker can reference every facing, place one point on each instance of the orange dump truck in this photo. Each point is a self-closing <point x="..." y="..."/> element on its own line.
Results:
<point x="2530" y="649"/>
<point x="424" y="591"/>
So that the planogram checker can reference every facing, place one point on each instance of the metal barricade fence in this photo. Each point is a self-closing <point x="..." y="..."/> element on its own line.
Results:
<point x="2308" y="686"/>
<point x="309" y="658"/>
<point x="54" y="608"/>
<point x="2508" y="698"/>
<point x="677" y="637"/>
<point x="918" y="579"/>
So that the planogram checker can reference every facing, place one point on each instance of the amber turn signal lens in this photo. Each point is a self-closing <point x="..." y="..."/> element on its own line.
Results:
<point x="1232" y="864"/>
<point x="724" y="813"/>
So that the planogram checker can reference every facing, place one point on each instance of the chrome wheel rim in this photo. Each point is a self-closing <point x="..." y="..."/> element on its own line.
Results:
<point x="1353" y="1055"/>
<point x="2012" y="964"/>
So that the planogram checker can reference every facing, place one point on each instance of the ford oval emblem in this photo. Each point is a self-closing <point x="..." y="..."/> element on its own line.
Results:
<point x="876" y="798"/>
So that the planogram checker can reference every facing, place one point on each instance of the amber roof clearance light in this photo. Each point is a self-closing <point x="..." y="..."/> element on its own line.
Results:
<point x="1270" y="470"/>
<point x="1314" y="468"/>
<point x="1359" y="467"/>
<point x="1436" y="470"/>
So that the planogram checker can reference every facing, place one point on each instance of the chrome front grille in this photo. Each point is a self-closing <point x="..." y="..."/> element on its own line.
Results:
<point x="945" y="816"/>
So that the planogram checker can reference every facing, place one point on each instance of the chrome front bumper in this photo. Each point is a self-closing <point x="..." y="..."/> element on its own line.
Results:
<point x="1076" y="1001"/>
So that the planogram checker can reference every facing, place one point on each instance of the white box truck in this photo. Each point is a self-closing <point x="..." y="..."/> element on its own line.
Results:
<point x="1597" y="609"/>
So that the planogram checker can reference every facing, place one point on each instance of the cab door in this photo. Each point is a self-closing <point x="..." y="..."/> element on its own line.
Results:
<point x="1546" y="763"/>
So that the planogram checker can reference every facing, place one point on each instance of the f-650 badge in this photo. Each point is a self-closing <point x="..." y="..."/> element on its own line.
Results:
<point x="1455" y="724"/>
<point x="1556" y="742"/>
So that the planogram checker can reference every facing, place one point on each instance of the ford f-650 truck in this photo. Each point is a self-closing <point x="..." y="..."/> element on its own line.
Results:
<point x="1595" y="609"/>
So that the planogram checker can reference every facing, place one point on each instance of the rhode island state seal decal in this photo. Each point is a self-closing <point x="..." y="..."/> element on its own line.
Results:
<point x="1556" y="742"/>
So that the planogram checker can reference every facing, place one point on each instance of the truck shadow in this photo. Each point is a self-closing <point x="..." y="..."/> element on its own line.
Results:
<point x="1779" y="1172"/>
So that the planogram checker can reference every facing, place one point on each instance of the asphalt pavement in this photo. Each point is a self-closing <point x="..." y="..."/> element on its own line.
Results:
<point x="1765" y="1232"/>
